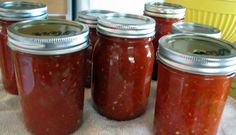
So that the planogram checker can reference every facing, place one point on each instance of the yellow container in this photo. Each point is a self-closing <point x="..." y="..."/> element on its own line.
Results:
<point x="218" y="13"/>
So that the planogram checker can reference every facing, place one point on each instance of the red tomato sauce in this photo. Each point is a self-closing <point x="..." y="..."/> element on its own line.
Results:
<point x="51" y="91"/>
<point x="163" y="27"/>
<point x="121" y="76"/>
<point x="6" y="63"/>
<point x="93" y="38"/>
<point x="189" y="104"/>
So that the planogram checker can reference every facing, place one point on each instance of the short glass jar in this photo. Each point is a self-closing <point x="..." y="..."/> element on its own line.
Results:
<point x="122" y="65"/>
<point x="49" y="59"/>
<point x="11" y="12"/>
<point x="165" y="14"/>
<point x="194" y="77"/>
<point x="89" y="17"/>
<point x="196" y="28"/>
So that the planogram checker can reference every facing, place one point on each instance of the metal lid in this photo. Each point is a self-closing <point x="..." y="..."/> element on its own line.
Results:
<point x="90" y="17"/>
<point x="196" y="28"/>
<point x="165" y="10"/>
<point x="18" y="11"/>
<point x="198" y="54"/>
<point x="126" y="25"/>
<point x="48" y="37"/>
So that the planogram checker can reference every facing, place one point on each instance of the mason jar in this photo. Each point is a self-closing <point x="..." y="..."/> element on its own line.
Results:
<point x="194" y="77"/>
<point x="11" y="12"/>
<point x="196" y="28"/>
<point x="89" y="17"/>
<point x="165" y="14"/>
<point x="49" y="59"/>
<point x="122" y="65"/>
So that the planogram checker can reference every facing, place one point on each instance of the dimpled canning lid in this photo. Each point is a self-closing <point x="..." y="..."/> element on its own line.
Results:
<point x="18" y="11"/>
<point x="165" y="10"/>
<point x="197" y="54"/>
<point x="195" y="28"/>
<point x="48" y="37"/>
<point x="126" y="25"/>
<point x="90" y="17"/>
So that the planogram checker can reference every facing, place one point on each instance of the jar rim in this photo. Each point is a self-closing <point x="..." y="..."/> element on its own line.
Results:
<point x="126" y="25"/>
<point x="196" y="28"/>
<point x="164" y="10"/>
<point x="18" y="11"/>
<point x="48" y="37"/>
<point x="90" y="17"/>
<point x="197" y="54"/>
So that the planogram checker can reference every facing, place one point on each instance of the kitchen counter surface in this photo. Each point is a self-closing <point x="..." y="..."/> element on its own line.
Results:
<point x="11" y="122"/>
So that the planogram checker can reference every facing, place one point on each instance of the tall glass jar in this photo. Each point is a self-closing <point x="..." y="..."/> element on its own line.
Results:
<point x="90" y="17"/>
<point x="49" y="59"/>
<point x="196" y="28"/>
<point x="11" y="12"/>
<point x="122" y="65"/>
<point x="194" y="77"/>
<point x="165" y="14"/>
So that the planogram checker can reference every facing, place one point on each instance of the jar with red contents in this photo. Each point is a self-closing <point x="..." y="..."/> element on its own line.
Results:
<point x="165" y="14"/>
<point x="11" y="12"/>
<point x="49" y="59"/>
<point x="89" y="17"/>
<point x="194" y="77"/>
<point x="122" y="65"/>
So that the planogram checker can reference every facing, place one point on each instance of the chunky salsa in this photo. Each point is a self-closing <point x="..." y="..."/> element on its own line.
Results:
<point x="49" y="58"/>
<point x="165" y="14"/>
<point x="51" y="91"/>
<point x="93" y="38"/>
<point x="90" y="18"/>
<point x="6" y="62"/>
<point x="193" y="84"/>
<point x="122" y="76"/>
<point x="12" y="12"/>
<point x="189" y="104"/>
<point x="163" y="27"/>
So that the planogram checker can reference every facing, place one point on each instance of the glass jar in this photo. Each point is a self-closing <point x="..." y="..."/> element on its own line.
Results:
<point x="89" y="17"/>
<point x="165" y="14"/>
<point x="194" y="77"/>
<point x="11" y="12"/>
<point x="51" y="92"/>
<point x="122" y="65"/>
<point x="196" y="28"/>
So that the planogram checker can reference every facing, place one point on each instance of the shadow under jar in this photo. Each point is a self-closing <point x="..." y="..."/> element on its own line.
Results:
<point x="194" y="77"/>
<point x="11" y="12"/>
<point x="123" y="61"/>
<point x="165" y="14"/>
<point x="49" y="59"/>
<point x="89" y="17"/>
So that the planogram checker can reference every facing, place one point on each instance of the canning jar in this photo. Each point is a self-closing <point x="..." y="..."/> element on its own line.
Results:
<point x="196" y="28"/>
<point x="122" y="65"/>
<point x="49" y="59"/>
<point x="165" y="14"/>
<point x="11" y="12"/>
<point x="89" y="17"/>
<point x="194" y="77"/>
